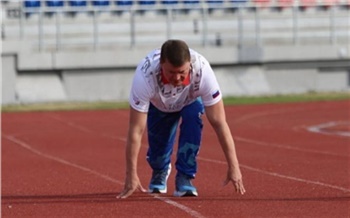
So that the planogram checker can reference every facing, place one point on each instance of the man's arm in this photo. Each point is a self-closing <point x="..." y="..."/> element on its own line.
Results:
<point x="217" y="118"/>
<point x="137" y="123"/>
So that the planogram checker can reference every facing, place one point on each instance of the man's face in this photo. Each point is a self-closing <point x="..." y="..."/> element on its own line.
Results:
<point x="175" y="75"/>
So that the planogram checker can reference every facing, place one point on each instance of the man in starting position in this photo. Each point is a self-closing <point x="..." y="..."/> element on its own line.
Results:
<point x="171" y="84"/>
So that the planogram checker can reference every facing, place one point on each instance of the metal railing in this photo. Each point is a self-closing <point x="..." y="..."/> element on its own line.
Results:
<point x="204" y="8"/>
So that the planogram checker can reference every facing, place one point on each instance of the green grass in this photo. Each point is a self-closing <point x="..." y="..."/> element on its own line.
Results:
<point x="63" y="106"/>
<point x="228" y="101"/>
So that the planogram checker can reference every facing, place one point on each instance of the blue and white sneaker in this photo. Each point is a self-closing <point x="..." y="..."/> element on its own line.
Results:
<point x="184" y="186"/>
<point x="159" y="180"/>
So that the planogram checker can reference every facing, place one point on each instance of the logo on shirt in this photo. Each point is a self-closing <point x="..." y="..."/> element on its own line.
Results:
<point x="216" y="94"/>
<point x="146" y="65"/>
<point x="136" y="100"/>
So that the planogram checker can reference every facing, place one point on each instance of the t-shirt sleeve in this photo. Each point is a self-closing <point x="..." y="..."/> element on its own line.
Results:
<point x="140" y="93"/>
<point x="209" y="88"/>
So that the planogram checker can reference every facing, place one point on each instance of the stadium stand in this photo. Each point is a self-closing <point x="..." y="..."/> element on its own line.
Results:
<point x="169" y="2"/>
<point x="32" y="3"/>
<point x="191" y="6"/>
<point x="124" y="3"/>
<point x="117" y="29"/>
<point x="304" y="4"/>
<point x="100" y="3"/>
<point x="77" y="3"/>
<point x="238" y="1"/>
<point x="285" y="3"/>
<point x="147" y="2"/>
<point x="234" y="4"/>
<point x="55" y="3"/>
<point x="329" y="3"/>
<point x="214" y="6"/>
<point x="215" y="2"/>
<point x="192" y="2"/>
<point x="145" y="6"/>
<point x="262" y="3"/>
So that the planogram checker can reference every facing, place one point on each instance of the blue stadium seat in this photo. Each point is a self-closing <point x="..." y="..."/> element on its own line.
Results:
<point x="147" y="2"/>
<point x="100" y="3"/>
<point x="191" y="2"/>
<point x="191" y="6"/>
<point x="238" y="2"/>
<point x="125" y="6"/>
<point x="146" y="5"/>
<point x="32" y="3"/>
<point x="235" y="4"/>
<point x="122" y="3"/>
<point x="77" y="3"/>
<point x="54" y="3"/>
<point x="214" y="5"/>
<point x="169" y="2"/>
<point x="214" y="2"/>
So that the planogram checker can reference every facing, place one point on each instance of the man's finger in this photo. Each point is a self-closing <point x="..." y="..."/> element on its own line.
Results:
<point x="142" y="189"/>
<point x="125" y="194"/>
<point x="240" y="187"/>
<point x="121" y="194"/>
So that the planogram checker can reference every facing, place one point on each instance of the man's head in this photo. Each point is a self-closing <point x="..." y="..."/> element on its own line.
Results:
<point x="175" y="60"/>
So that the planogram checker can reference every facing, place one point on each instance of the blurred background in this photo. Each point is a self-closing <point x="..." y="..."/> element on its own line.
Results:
<point x="87" y="51"/>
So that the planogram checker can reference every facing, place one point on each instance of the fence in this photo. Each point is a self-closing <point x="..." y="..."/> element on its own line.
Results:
<point x="241" y="22"/>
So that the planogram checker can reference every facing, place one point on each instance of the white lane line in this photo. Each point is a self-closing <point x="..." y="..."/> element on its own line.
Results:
<point x="74" y="125"/>
<point x="281" y="175"/>
<point x="321" y="128"/>
<point x="82" y="128"/>
<point x="248" y="117"/>
<point x="57" y="159"/>
<point x="289" y="147"/>
<point x="272" y="145"/>
<point x="187" y="210"/>
<point x="266" y="144"/>
<point x="182" y="207"/>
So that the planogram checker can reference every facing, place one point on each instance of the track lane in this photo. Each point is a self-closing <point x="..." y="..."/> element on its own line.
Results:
<point x="267" y="196"/>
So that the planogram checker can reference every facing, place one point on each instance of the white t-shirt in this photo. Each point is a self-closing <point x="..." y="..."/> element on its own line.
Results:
<point x="147" y="86"/>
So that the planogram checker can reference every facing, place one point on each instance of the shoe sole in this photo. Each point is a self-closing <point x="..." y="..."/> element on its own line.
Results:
<point x="161" y="191"/>
<point x="157" y="191"/>
<point x="186" y="193"/>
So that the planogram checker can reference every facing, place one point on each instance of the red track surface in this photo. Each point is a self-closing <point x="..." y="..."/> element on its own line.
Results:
<point x="60" y="164"/>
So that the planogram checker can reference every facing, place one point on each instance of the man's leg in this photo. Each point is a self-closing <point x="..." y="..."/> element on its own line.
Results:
<point x="190" y="138"/>
<point x="161" y="136"/>
<point x="189" y="143"/>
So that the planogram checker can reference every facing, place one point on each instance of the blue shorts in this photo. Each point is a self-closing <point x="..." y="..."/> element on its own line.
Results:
<point x="162" y="129"/>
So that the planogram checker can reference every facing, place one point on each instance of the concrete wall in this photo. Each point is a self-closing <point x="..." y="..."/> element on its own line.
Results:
<point x="39" y="87"/>
<point x="97" y="85"/>
<point x="107" y="75"/>
<point x="8" y="75"/>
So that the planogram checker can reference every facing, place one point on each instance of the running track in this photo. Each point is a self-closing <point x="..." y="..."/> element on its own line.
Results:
<point x="295" y="159"/>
